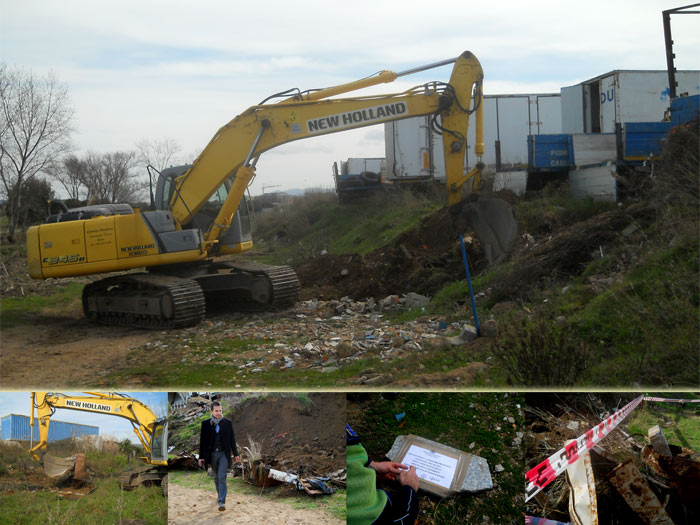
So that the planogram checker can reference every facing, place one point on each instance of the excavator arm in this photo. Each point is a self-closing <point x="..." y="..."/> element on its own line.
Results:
<point x="236" y="146"/>
<point x="151" y="432"/>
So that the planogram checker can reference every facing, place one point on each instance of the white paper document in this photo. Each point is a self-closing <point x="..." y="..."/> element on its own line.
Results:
<point x="431" y="466"/>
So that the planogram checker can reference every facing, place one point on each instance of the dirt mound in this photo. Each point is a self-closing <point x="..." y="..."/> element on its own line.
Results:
<point x="421" y="260"/>
<point x="568" y="252"/>
<point x="292" y="433"/>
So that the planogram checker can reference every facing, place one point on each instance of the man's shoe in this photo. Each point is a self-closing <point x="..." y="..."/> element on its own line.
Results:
<point x="222" y="507"/>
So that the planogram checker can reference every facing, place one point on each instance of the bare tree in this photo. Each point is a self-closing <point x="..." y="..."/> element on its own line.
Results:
<point x="35" y="128"/>
<point x="158" y="153"/>
<point x="70" y="175"/>
<point x="110" y="177"/>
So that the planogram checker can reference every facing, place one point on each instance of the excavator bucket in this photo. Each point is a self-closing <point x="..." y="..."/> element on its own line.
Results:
<point x="59" y="469"/>
<point x="493" y="220"/>
<point x="63" y="470"/>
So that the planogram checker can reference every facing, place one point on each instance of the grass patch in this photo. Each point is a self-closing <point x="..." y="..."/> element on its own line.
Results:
<point x="540" y="216"/>
<point x="680" y="423"/>
<point x="648" y="326"/>
<point x="108" y="504"/>
<point x="315" y="222"/>
<point x="26" y="310"/>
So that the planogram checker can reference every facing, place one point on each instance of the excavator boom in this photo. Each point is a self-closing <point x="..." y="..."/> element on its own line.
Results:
<point x="261" y="128"/>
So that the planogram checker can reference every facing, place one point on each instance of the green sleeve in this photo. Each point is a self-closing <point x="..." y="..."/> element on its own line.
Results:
<point x="364" y="502"/>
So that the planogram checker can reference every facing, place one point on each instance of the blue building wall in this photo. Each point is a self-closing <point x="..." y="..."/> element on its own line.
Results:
<point x="16" y="427"/>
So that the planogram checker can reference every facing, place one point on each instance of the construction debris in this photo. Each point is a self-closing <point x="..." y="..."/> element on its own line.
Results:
<point x="616" y="481"/>
<point x="658" y="441"/>
<point x="630" y="483"/>
<point x="583" y="503"/>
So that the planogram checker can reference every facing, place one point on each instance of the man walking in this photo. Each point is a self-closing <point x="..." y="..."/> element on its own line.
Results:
<point x="216" y="445"/>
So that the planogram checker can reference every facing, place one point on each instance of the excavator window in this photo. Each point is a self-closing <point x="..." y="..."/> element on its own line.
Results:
<point x="159" y="443"/>
<point x="167" y="193"/>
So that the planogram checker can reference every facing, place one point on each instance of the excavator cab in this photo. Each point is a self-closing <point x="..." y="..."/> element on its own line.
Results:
<point x="159" y="443"/>
<point x="237" y="238"/>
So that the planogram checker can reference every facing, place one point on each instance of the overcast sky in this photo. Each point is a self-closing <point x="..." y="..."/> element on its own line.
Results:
<point x="180" y="70"/>
<point x="20" y="402"/>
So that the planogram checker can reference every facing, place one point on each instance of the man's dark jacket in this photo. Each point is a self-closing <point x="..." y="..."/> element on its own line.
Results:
<point x="208" y="435"/>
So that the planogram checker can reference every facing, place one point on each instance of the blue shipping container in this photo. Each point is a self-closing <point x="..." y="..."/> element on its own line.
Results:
<point x="644" y="138"/>
<point x="549" y="152"/>
<point x="685" y="109"/>
<point x="16" y="427"/>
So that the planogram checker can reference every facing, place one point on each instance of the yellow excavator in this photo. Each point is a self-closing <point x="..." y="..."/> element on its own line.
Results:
<point x="200" y="212"/>
<point x="152" y="432"/>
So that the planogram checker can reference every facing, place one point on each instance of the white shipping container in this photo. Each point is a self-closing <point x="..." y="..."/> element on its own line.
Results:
<point x="598" y="104"/>
<point x="414" y="150"/>
<point x="356" y="166"/>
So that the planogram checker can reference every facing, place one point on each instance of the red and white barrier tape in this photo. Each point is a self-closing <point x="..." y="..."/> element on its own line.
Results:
<point x="544" y="473"/>
<point x="665" y="400"/>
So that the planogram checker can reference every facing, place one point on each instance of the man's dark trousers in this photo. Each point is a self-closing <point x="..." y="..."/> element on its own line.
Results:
<point x="219" y="464"/>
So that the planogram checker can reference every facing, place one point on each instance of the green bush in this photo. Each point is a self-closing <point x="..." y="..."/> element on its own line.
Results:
<point x="541" y="353"/>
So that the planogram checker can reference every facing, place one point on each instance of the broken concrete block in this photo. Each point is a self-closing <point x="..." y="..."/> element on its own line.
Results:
<point x="389" y="300"/>
<point x="414" y="300"/>
<point x="467" y="335"/>
<point x="573" y="425"/>
<point x="658" y="441"/>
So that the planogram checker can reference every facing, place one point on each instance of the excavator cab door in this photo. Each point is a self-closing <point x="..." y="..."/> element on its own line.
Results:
<point x="159" y="442"/>
<point x="237" y="237"/>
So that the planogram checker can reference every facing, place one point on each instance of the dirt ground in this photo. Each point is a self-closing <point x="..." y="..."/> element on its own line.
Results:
<point x="189" y="505"/>
<point x="74" y="351"/>
<point x="421" y="260"/>
<point x="70" y="349"/>
<point x="293" y="436"/>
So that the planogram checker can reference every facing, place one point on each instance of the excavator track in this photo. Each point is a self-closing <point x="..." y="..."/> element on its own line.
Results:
<point x="144" y="300"/>
<point x="250" y="286"/>
<point x="133" y="479"/>
<point x="283" y="281"/>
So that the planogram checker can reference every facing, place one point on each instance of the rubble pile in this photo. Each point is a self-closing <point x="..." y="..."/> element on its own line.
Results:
<point x="624" y="479"/>
<point x="319" y="335"/>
